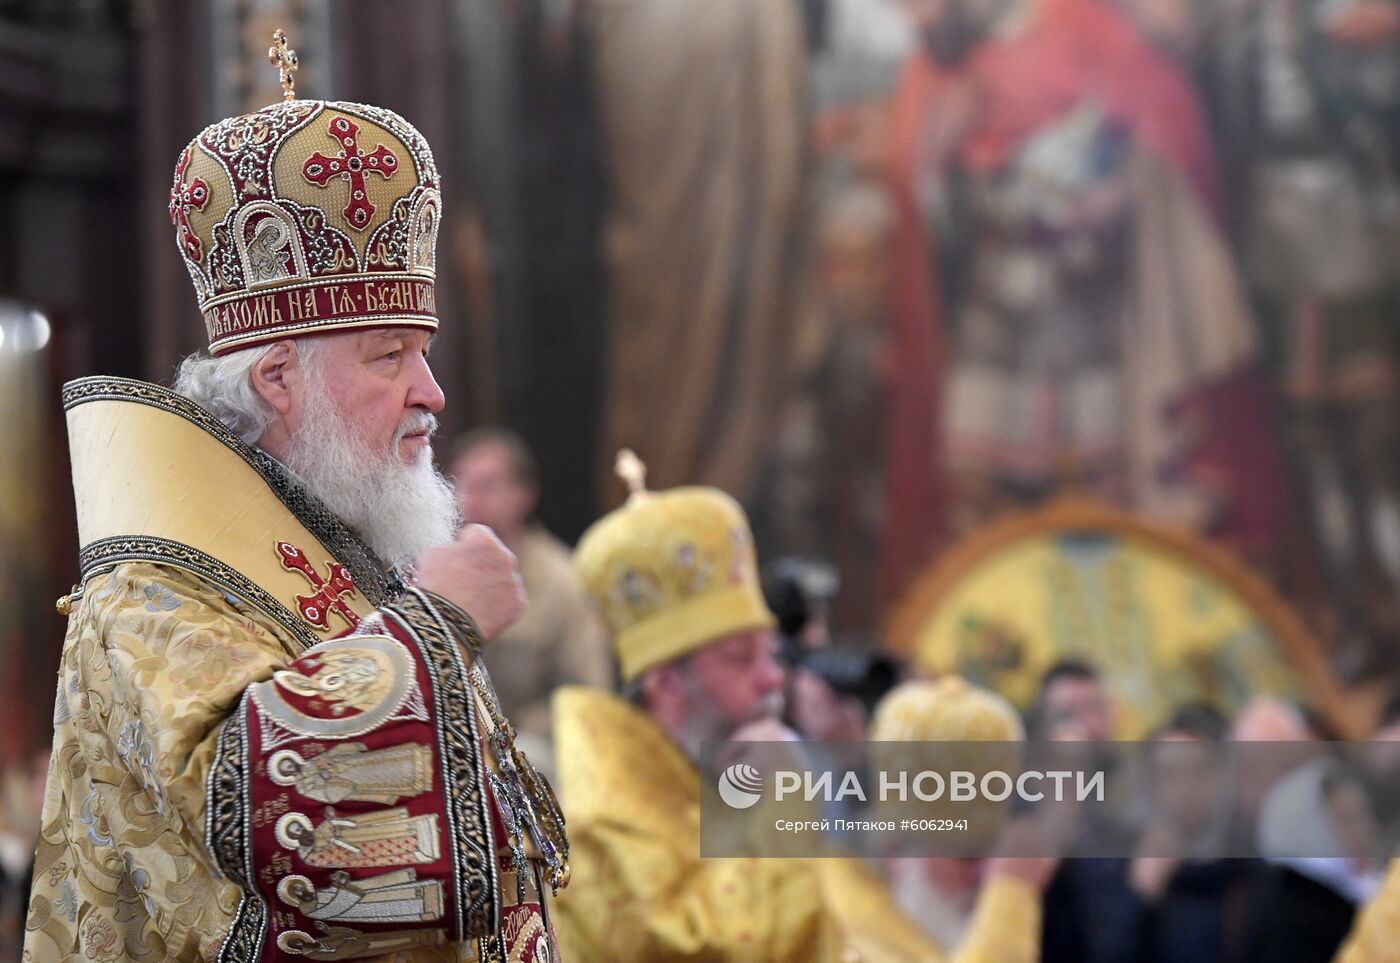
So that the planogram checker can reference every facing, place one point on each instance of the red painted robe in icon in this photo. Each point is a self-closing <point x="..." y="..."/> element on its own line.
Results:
<point x="1066" y="307"/>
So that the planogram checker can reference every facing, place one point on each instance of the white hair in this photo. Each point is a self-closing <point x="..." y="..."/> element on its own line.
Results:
<point x="399" y="509"/>
<point x="223" y="386"/>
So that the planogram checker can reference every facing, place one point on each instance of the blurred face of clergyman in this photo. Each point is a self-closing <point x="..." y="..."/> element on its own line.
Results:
<point x="739" y="677"/>
<point x="712" y="693"/>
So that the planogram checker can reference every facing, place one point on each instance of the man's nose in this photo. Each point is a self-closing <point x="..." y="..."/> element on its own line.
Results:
<point x="425" y="392"/>
<point x="770" y="674"/>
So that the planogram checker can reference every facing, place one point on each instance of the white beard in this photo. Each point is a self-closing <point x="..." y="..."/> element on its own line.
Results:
<point x="945" y="917"/>
<point x="400" y="510"/>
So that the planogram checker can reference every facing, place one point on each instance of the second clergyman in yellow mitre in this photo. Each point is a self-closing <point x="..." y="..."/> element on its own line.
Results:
<point x="973" y="909"/>
<point x="674" y="577"/>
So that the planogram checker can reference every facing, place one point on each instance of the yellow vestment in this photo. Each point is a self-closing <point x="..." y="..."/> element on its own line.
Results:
<point x="197" y="692"/>
<point x="642" y="894"/>
<point x="1375" y="938"/>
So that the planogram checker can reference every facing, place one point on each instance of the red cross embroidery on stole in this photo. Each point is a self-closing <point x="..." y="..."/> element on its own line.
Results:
<point x="316" y="609"/>
<point x="183" y="197"/>
<point x="351" y="165"/>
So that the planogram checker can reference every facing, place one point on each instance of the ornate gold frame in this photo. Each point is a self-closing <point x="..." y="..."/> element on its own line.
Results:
<point x="1302" y="648"/>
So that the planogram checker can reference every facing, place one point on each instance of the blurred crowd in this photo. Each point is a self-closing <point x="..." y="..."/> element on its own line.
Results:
<point x="1177" y="901"/>
<point x="1275" y="897"/>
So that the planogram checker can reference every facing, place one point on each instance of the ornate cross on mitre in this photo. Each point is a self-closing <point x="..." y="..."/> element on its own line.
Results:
<point x="351" y="165"/>
<point x="284" y="58"/>
<point x="183" y="197"/>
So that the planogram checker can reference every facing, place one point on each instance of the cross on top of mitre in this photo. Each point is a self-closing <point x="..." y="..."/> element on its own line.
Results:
<point x="633" y="471"/>
<point x="284" y="58"/>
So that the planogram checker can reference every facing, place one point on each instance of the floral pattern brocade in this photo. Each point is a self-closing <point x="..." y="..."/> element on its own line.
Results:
<point x="153" y="661"/>
<point x="219" y="792"/>
<point x="1376" y="932"/>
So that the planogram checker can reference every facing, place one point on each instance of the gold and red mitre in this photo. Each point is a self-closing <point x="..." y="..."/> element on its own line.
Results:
<point x="671" y="572"/>
<point x="308" y="216"/>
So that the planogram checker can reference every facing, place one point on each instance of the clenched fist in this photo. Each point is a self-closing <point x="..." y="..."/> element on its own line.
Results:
<point x="478" y="574"/>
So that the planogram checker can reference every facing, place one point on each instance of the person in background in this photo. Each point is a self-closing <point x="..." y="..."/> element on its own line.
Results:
<point x="674" y="575"/>
<point x="1274" y="720"/>
<point x="1318" y="836"/>
<point x="1300" y="906"/>
<point x="799" y="591"/>
<point x="1177" y="901"/>
<point x="1376" y="931"/>
<point x="1073" y="704"/>
<point x="831" y="690"/>
<point x="1381" y="769"/>
<point x="558" y="640"/>
<point x="832" y="693"/>
<point x="950" y="899"/>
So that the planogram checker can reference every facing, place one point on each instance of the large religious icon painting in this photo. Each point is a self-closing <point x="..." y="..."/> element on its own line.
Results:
<point x="1166" y="616"/>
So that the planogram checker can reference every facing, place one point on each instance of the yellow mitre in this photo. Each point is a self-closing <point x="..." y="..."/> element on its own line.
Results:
<point x="670" y="572"/>
<point x="949" y="709"/>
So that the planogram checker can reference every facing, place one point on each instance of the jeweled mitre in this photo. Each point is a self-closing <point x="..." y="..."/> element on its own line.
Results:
<point x="308" y="216"/>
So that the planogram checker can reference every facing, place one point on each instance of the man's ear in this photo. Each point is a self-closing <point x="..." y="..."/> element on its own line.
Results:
<point x="659" y="686"/>
<point x="277" y="376"/>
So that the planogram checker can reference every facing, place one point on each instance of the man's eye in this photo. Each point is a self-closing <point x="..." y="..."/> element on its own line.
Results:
<point x="392" y="356"/>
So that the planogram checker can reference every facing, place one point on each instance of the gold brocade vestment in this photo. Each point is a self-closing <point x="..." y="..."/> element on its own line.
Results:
<point x="265" y="746"/>
<point x="642" y="894"/>
<point x="1375" y="938"/>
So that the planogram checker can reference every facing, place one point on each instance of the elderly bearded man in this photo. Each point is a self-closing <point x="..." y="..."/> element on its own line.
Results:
<point x="272" y="734"/>
<point x="673" y="575"/>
